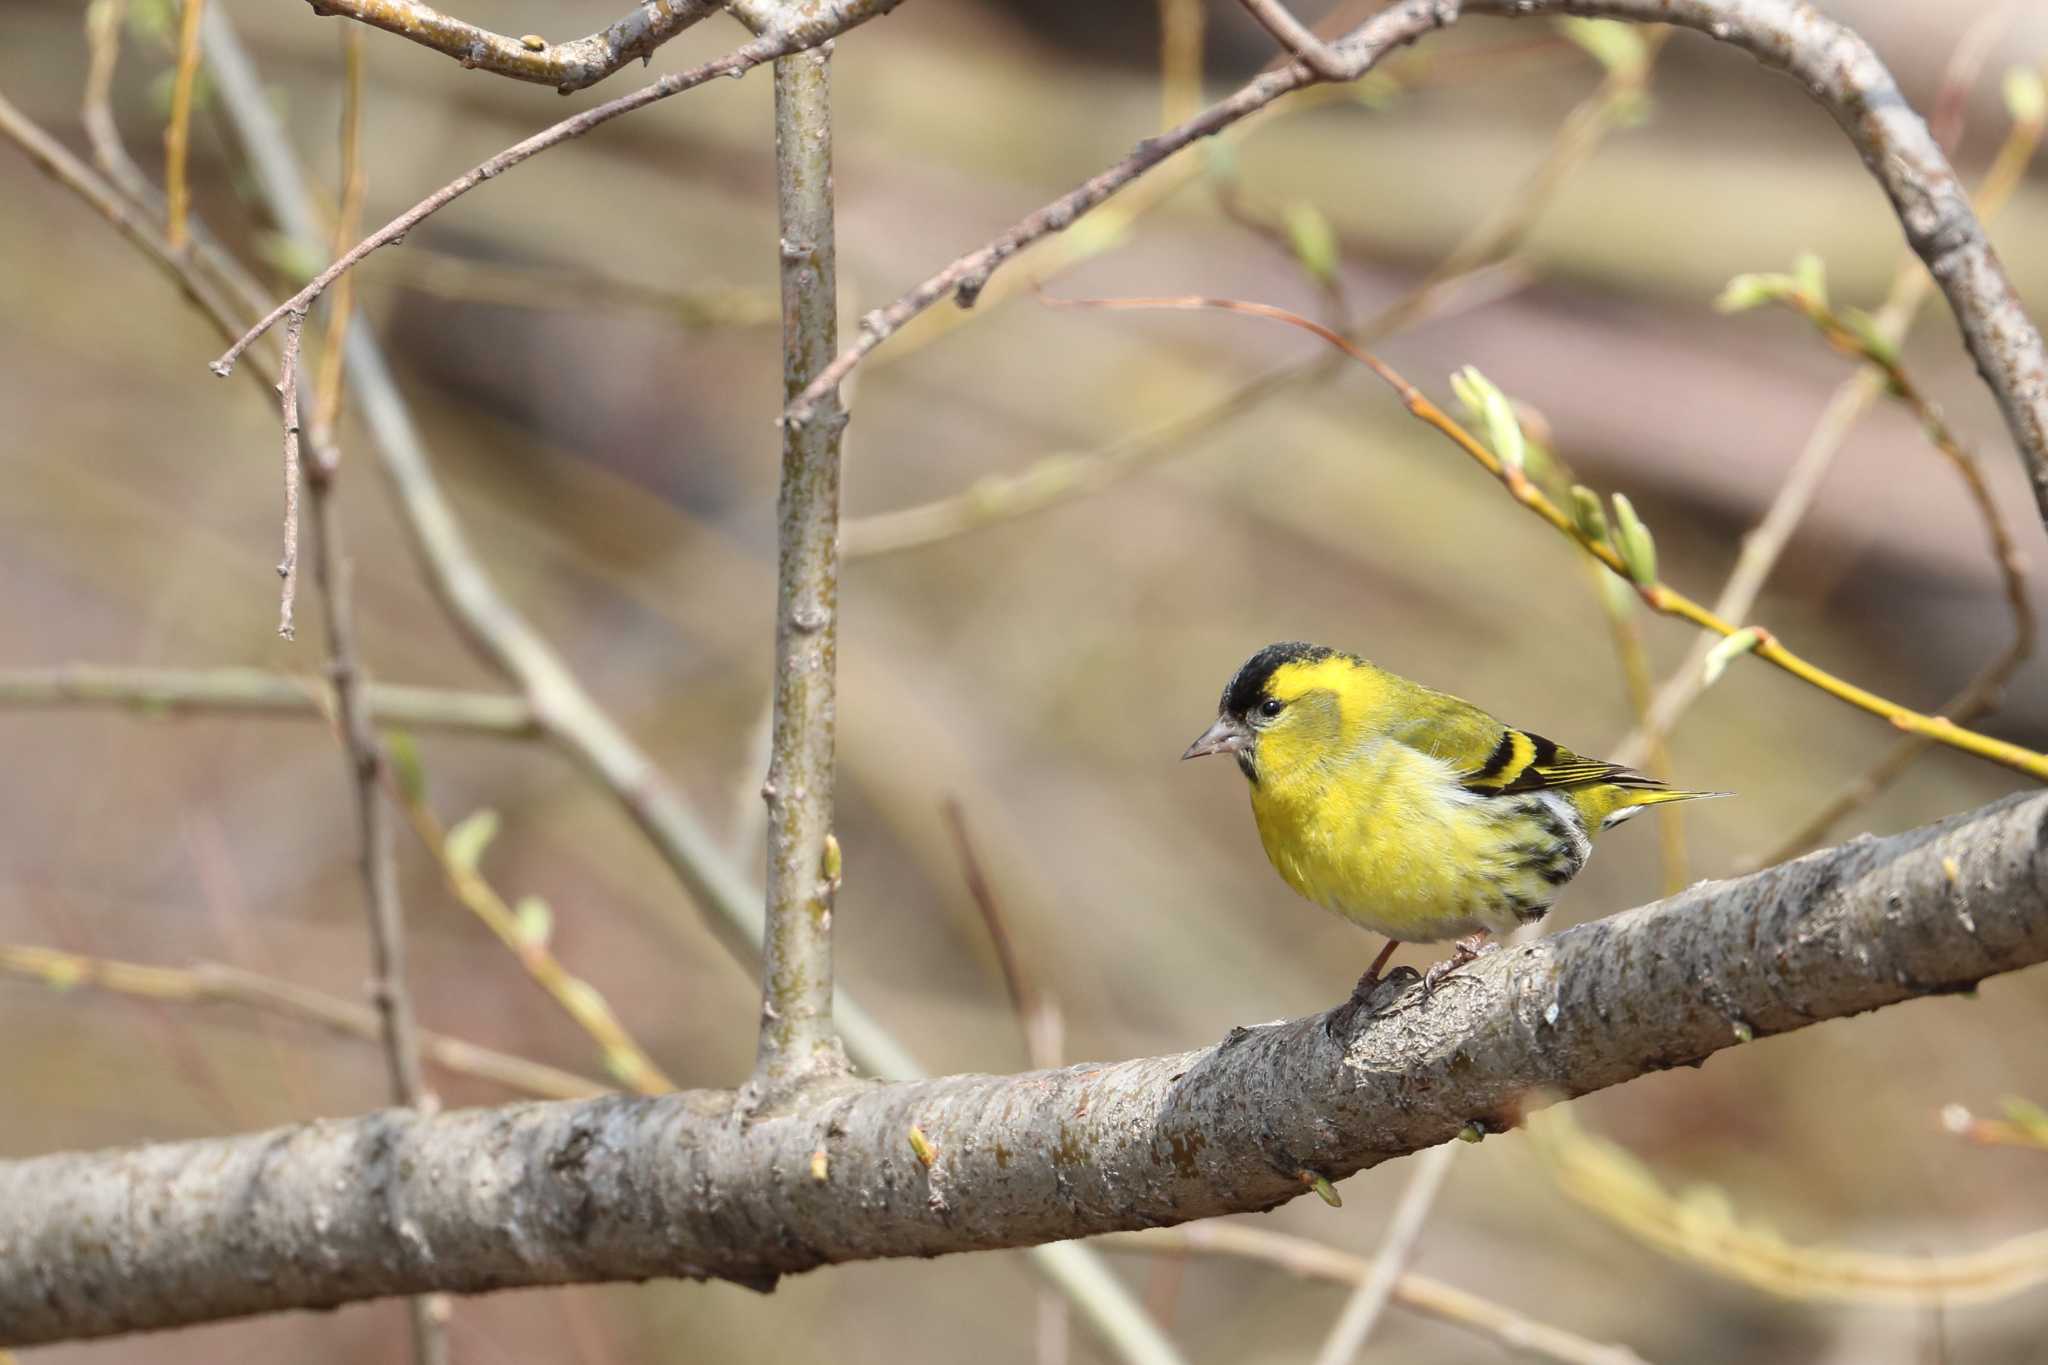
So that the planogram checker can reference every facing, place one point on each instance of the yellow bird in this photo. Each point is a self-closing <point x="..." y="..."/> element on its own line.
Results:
<point x="1409" y="812"/>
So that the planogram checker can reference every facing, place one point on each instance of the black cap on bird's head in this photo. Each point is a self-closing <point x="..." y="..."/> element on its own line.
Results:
<point x="1246" y="691"/>
<point x="1248" y="688"/>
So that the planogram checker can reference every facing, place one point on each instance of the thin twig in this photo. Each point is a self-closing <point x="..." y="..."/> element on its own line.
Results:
<point x="1763" y="546"/>
<point x="1183" y="29"/>
<point x="965" y="277"/>
<point x="567" y="66"/>
<point x="1362" y="1310"/>
<point x="1839" y="70"/>
<point x="288" y="392"/>
<point x="178" y="133"/>
<point x="1660" y="597"/>
<point x="796" y="37"/>
<point x="1419" y="1293"/>
<point x="388" y="990"/>
<point x="1037" y="1016"/>
<point x="57" y="161"/>
<point x="176" y="691"/>
<point x="1057" y="478"/>
<point x="1297" y="38"/>
<point x="205" y="983"/>
<point x="103" y="24"/>
<point x="464" y="279"/>
<point x="624" y="1058"/>
<point x="327" y="387"/>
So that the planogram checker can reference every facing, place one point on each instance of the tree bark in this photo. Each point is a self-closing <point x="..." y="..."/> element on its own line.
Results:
<point x="695" y="1185"/>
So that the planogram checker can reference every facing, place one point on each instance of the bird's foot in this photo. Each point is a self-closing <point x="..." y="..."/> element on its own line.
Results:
<point x="1373" y="994"/>
<point x="1468" y="949"/>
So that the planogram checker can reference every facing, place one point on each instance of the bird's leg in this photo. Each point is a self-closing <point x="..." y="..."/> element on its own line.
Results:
<point x="1366" y="984"/>
<point x="1468" y="949"/>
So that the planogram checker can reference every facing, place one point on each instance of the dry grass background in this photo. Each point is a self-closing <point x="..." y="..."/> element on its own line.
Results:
<point x="616" y="471"/>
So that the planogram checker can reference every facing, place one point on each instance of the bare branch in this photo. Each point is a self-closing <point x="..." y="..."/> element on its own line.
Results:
<point x="1299" y="40"/>
<point x="1419" y="1293"/>
<point x="1835" y="65"/>
<point x="773" y="43"/>
<point x="567" y="66"/>
<point x="1370" y="1299"/>
<point x="159" y="691"/>
<point x="207" y="983"/>
<point x="965" y="277"/>
<point x="627" y="1187"/>
<point x="796" y="1037"/>
<point x="178" y="132"/>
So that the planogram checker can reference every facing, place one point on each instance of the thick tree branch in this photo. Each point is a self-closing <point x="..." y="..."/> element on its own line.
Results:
<point x="689" y="1184"/>
<point x="568" y="66"/>
<point x="1837" y="68"/>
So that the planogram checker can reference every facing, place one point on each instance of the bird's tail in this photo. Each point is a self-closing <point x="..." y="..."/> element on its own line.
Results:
<point x="1627" y="800"/>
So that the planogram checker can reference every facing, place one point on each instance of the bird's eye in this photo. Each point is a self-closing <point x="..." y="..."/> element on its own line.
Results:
<point x="1271" y="707"/>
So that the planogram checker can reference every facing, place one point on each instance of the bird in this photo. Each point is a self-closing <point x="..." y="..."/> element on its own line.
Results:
<point x="1408" y="811"/>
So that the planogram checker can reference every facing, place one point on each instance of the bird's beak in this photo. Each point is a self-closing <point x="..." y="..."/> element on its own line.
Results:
<point x="1226" y="736"/>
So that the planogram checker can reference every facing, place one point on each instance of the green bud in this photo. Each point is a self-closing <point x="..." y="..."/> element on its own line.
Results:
<point x="1745" y="292"/>
<point x="1588" y="513"/>
<point x="922" y="1146"/>
<point x="1323" y="1188"/>
<point x="1633" y="543"/>
<point x="1313" y="241"/>
<point x="1719" y="657"/>
<point x="2026" y="99"/>
<point x="464" y="847"/>
<point x="1812" y="277"/>
<point x="1471" y="1132"/>
<point x="1485" y="402"/>
<point x="1743" y="1032"/>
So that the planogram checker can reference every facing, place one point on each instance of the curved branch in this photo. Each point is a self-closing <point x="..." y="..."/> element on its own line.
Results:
<point x="1837" y="68"/>
<point x="798" y="35"/>
<point x="568" y="67"/>
<point x="690" y="1185"/>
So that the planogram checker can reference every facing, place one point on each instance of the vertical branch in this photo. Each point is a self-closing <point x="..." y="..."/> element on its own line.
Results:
<point x="803" y="856"/>
<point x="396" y="1027"/>
<point x="178" y="133"/>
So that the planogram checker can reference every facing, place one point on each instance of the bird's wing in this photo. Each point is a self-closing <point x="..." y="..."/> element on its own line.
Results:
<point x="1523" y="762"/>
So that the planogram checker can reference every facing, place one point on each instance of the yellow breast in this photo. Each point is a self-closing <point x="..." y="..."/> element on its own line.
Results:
<point x="1388" y="838"/>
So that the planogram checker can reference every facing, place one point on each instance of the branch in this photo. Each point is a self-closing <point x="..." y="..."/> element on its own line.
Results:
<point x="623" y="1188"/>
<point x="1835" y="65"/>
<point x="569" y="66"/>
<point x="803" y="856"/>
<point x="1299" y="40"/>
<point x="774" y="42"/>
<point x="1418" y="1293"/>
<point x="156" y="691"/>
<point x="205" y="983"/>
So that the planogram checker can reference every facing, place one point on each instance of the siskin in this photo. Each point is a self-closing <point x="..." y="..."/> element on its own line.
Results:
<point x="1409" y="812"/>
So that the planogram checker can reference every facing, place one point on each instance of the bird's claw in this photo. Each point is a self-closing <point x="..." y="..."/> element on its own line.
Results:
<point x="1372" y="995"/>
<point x="1467" y="950"/>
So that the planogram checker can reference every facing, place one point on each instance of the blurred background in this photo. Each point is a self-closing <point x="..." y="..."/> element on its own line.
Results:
<point x="589" y="348"/>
